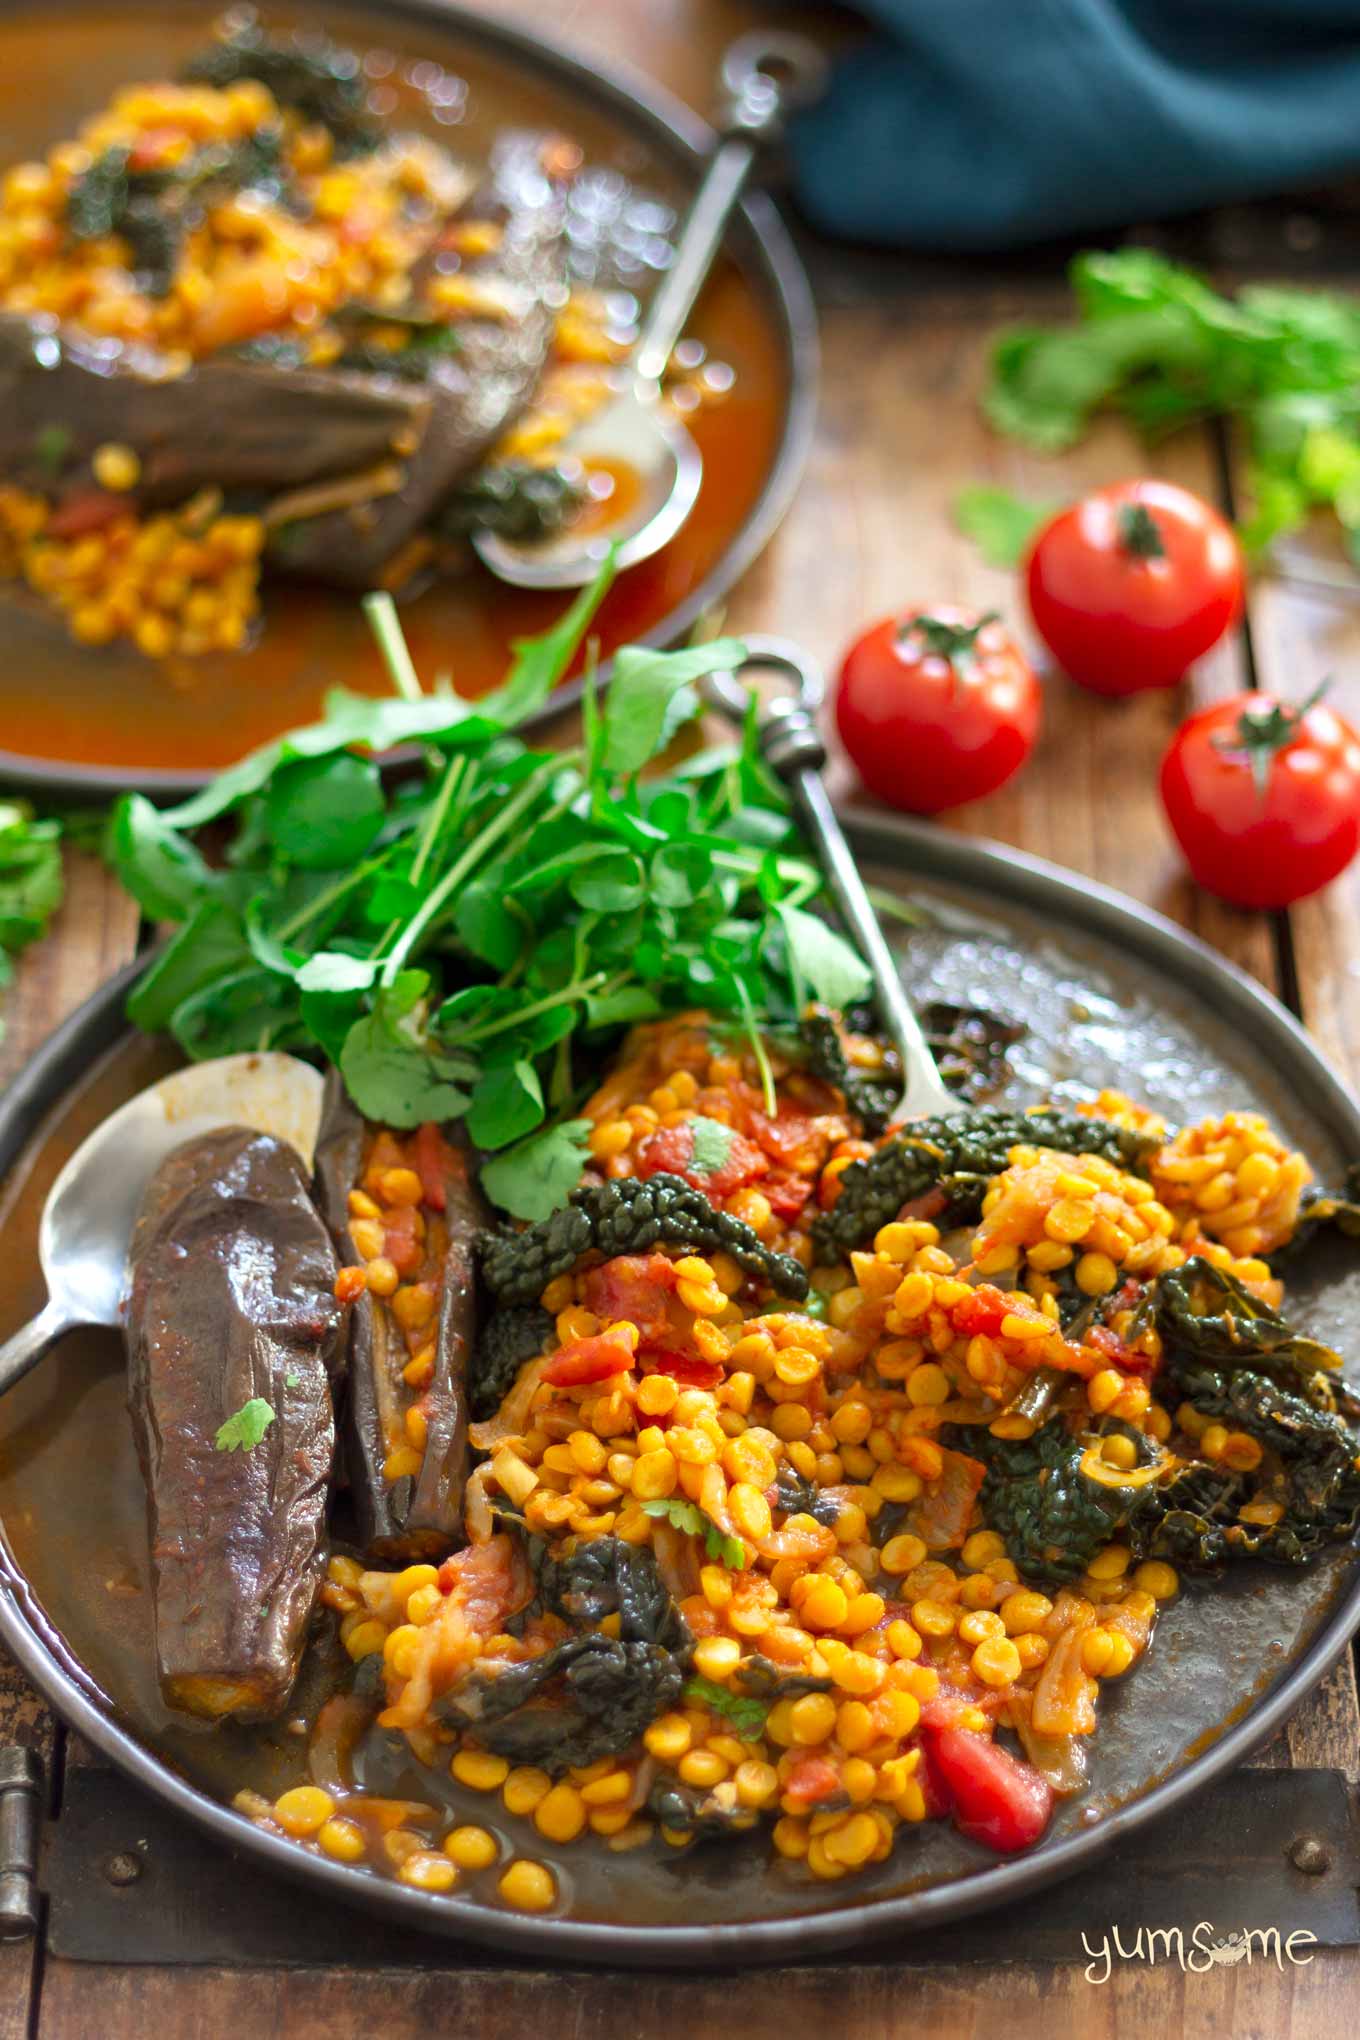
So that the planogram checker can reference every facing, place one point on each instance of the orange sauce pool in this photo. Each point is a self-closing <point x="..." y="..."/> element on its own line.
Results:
<point x="108" y="707"/>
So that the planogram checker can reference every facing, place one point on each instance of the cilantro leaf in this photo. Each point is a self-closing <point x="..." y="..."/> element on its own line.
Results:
<point x="243" y="1431"/>
<point x="746" y="1713"/>
<point x="712" y="1145"/>
<point x="1000" y="525"/>
<point x="534" y="1179"/>
<point x="392" y="1073"/>
<point x="31" y="883"/>
<point x="690" y="1518"/>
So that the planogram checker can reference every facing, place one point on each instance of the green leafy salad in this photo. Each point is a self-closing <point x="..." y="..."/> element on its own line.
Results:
<point x="459" y="938"/>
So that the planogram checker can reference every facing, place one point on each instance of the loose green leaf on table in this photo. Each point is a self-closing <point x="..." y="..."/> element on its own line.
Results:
<point x="1000" y="525"/>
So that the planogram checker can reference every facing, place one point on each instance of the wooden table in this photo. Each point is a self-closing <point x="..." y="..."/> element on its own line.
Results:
<point x="905" y="342"/>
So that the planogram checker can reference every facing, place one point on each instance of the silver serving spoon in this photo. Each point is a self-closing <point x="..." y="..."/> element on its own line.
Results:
<point x="765" y="75"/>
<point x="87" y="1222"/>
<point x="792" y="747"/>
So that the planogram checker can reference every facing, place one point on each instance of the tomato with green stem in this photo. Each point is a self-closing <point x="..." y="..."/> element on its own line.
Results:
<point x="1264" y="799"/>
<point x="1131" y="585"/>
<point x="936" y="707"/>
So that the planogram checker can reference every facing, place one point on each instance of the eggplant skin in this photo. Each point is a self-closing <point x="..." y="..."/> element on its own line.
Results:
<point x="420" y="1517"/>
<point x="232" y="1297"/>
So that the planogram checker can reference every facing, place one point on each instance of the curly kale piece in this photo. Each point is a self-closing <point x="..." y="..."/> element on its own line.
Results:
<point x="970" y="1045"/>
<point x="629" y="1216"/>
<point x="1192" y="1516"/>
<point x="152" y="209"/>
<point x="514" y="499"/>
<point x="1317" y="1482"/>
<point x="958" y="1157"/>
<point x="586" y="1698"/>
<point x="505" y="1342"/>
<point x="1243" y="1331"/>
<point x="319" y="79"/>
<point x="795" y="1496"/>
<point x="604" y="1576"/>
<point x="698" y="1813"/>
<point x="760" y="1678"/>
<point x="1319" y="1208"/>
<point x="871" y="1099"/>
<point x="1052" y="1516"/>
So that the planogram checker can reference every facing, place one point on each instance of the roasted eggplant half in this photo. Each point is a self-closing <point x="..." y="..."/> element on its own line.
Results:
<point x="406" y="1211"/>
<point x="233" y="1334"/>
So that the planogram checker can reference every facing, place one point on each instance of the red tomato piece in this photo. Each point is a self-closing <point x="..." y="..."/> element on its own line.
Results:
<point x="671" y="1149"/>
<point x="811" y="1779"/>
<point x="402" y="1248"/>
<point x="1133" y="584"/>
<point x="785" y="1194"/>
<point x="936" y="707"/>
<point x="994" y="1797"/>
<point x="632" y="1289"/>
<point x="981" y="1312"/>
<point x="587" y="1360"/>
<point x="434" y="1162"/>
<point x="686" y="1368"/>
<point x="87" y="510"/>
<point x="1264" y="799"/>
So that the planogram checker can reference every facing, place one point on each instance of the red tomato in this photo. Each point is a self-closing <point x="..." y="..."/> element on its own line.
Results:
<point x="995" y="1798"/>
<point x="587" y="1360"/>
<point x="87" y="510"/>
<point x="434" y="1161"/>
<point x="981" y="1312"/>
<point x="1264" y="799"/>
<point x="936" y="707"/>
<point x="1132" y="584"/>
<point x="686" y="1368"/>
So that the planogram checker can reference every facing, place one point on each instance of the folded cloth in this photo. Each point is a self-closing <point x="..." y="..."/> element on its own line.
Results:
<point x="988" y="123"/>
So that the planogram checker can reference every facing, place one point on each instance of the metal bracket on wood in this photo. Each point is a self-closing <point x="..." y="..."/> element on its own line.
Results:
<point x="21" y="1797"/>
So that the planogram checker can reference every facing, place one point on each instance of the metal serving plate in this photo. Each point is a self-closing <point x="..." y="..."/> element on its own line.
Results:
<point x="636" y="118"/>
<point x="1112" y="994"/>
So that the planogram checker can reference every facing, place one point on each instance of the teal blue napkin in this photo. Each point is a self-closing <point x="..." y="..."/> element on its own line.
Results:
<point x="988" y="123"/>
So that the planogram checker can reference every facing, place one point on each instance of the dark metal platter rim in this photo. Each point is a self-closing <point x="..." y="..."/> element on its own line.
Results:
<point x="920" y="850"/>
<point x="768" y="257"/>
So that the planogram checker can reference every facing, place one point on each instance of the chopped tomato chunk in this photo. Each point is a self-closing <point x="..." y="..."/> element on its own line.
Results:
<point x="586" y="1360"/>
<point x="786" y="1194"/>
<point x="671" y="1148"/>
<point x="995" y="1798"/>
<point x="811" y="1779"/>
<point x="434" y="1161"/>
<point x="686" y="1368"/>
<point x="632" y="1289"/>
<point x="981" y="1312"/>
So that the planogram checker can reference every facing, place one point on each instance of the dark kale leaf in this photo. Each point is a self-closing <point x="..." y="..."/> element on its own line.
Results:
<point x="958" y="1157"/>
<point x="1052" y="1517"/>
<point x="1243" y="1331"/>
<point x="871" y="1099"/>
<point x="512" y="498"/>
<point x="319" y="79"/>
<point x="505" y="1342"/>
<point x="586" y="1698"/>
<point x="629" y="1216"/>
<point x="605" y="1576"/>
<point x="795" y="1496"/>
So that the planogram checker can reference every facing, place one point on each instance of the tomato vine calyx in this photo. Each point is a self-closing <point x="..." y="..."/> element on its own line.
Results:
<point x="956" y="642"/>
<point x="1262" y="733"/>
<point x="1139" y="533"/>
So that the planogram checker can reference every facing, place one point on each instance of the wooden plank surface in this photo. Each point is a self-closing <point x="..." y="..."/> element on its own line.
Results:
<point x="900" y="434"/>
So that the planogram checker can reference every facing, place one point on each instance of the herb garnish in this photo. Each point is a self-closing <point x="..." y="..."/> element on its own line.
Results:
<point x="1154" y="342"/>
<point x="746" y="1715"/>
<point x="712" y="1145"/>
<point x="244" y="1430"/>
<point x="31" y="884"/>
<point x="454" y="941"/>
<point x="689" y="1517"/>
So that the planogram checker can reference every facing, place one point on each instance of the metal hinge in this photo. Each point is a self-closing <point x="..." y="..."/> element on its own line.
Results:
<point x="21" y="1801"/>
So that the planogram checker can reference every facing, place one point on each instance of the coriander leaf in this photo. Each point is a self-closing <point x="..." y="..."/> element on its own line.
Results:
<point x="541" y="661"/>
<point x="635" y="721"/>
<point x="507" y="1103"/>
<point x="535" y="1179"/>
<point x="244" y="1430"/>
<point x="31" y="883"/>
<point x="51" y="446"/>
<point x="712" y="1145"/>
<point x="210" y="945"/>
<point x="823" y="960"/>
<point x="323" y="813"/>
<point x="292" y="1381"/>
<point x="694" y="1522"/>
<point x="160" y="868"/>
<point x="1000" y="525"/>
<point x="745" y="1712"/>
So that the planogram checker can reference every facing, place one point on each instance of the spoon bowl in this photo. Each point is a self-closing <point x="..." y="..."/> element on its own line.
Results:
<point x="636" y="436"/>
<point x="87" y="1221"/>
